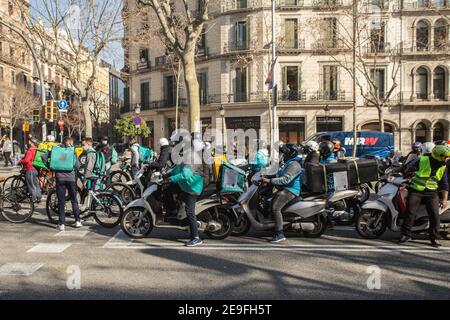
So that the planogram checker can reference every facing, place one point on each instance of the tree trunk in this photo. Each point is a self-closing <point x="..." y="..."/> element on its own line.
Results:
<point x="192" y="89"/>
<point x="87" y="117"/>
<point x="381" y="118"/>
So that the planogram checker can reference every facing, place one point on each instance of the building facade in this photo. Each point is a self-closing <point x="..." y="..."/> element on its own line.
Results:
<point x="403" y="56"/>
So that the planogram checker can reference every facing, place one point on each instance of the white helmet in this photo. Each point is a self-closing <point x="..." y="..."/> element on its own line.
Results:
<point x="428" y="147"/>
<point x="312" y="145"/>
<point x="163" y="142"/>
<point x="50" y="138"/>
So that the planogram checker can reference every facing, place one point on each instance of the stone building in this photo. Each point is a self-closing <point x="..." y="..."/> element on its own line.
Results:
<point x="404" y="55"/>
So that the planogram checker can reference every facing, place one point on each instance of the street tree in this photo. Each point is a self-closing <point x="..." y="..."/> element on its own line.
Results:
<point x="73" y="36"/>
<point x="126" y="128"/>
<point x="20" y="106"/>
<point x="181" y="26"/>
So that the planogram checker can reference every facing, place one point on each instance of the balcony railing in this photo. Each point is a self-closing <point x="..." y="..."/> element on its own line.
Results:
<point x="288" y="4"/>
<point x="293" y="45"/>
<point x="438" y="97"/>
<point x="412" y="47"/>
<point x="238" y="5"/>
<point x="329" y="96"/>
<point x="237" y="46"/>
<point x="426" y="4"/>
<point x="325" y="44"/>
<point x="202" y="52"/>
<point x="292" y="95"/>
<point x="143" y="65"/>
<point x="327" y="5"/>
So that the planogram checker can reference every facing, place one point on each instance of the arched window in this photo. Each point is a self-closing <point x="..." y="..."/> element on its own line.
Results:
<point x="439" y="83"/>
<point x="438" y="132"/>
<point x="421" y="132"/>
<point x="422" y="35"/>
<point x="422" y="83"/>
<point x="440" y="34"/>
<point x="375" y="126"/>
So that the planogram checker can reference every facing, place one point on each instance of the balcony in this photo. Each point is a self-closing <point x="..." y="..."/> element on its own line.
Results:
<point x="290" y="4"/>
<point x="413" y="49"/>
<point x="422" y="5"/>
<point x="327" y="5"/>
<point x="143" y="65"/>
<point x="325" y="45"/>
<point x="292" y="45"/>
<point x="202" y="52"/>
<point x="160" y="61"/>
<point x="125" y="109"/>
<point x="231" y="47"/>
<point x="260" y="96"/>
<point x="239" y="5"/>
<point x="329" y="96"/>
<point x="377" y="49"/>
<point x="438" y="98"/>
<point x="292" y="95"/>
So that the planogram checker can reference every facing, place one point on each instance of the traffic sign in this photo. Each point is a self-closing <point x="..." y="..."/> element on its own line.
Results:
<point x="137" y="120"/>
<point x="63" y="105"/>
<point x="26" y="126"/>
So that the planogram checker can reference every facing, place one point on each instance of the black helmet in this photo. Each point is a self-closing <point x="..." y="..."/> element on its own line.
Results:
<point x="289" y="151"/>
<point x="326" y="148"/>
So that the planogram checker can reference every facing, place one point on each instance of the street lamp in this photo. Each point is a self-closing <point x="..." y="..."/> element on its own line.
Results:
<point x="222" y="115"/>
<point x="327" y="110"/>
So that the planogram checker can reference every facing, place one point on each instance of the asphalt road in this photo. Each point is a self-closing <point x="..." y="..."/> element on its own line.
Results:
<point x="39" y="262"/>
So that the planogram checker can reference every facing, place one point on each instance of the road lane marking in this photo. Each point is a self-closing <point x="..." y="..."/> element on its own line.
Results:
<point x="19" y="269"/>
<point x="119" y="239"/>
<point x="72" y="233"/>
<point x="49" y="248"/>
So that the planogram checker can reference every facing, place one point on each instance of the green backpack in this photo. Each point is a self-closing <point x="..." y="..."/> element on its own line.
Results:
<point x="63" y="159"/>
<point x="100" y="165"/>
<point x="38" y="163"/>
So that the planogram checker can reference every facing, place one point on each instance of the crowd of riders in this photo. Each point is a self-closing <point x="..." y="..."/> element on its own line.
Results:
<point x="427" y="165"/>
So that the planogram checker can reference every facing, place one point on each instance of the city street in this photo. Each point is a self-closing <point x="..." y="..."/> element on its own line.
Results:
<point x="39" y="262"/>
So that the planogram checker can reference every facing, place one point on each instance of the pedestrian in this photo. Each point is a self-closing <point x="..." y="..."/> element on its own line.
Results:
<point x="430" y="178"/>
<point x="66" y="181"/>
<point x="90" y="179"/>
<point x="7" y="150"/>
<point x="134" y="147"/>
<point x="31" y="174"/>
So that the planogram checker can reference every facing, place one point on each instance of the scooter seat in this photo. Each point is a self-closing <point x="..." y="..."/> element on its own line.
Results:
<point x="208" y="191"/>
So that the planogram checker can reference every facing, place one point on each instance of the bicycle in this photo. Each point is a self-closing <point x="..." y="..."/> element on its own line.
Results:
<point x="124" y="174"/>
<point x="16" y="206"/>
<point x="104" y="207"/>
<point x="45" y="177"/>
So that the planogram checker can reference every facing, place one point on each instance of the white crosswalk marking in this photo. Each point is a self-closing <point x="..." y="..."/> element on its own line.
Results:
<point x="120" y="240"/>
<point x="19" y="269"/>
<point x="72" y="233"/>
<point x="49" y="248"/>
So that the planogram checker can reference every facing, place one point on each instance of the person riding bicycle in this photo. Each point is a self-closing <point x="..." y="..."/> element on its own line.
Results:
<point x="430" y="177"/>
<point x="31" y="174"/>
<point x="338" y="150"/>
<point x="288" y="183"/>
<point x="326" y="152"/>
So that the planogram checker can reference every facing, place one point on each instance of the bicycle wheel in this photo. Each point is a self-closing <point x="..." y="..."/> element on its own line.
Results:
<point x="124" y="192"/>
<point x="16" y="208"/>
<point x="51" y="206"/>
<point x="106" y="209"/>
<point x="15" y="184"/>
<point x="120" y="176"/>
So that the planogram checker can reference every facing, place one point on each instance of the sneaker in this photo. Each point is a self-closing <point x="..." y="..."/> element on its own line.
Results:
<point x="78" y="224"/>
<point x="278" y="237"/>
<point x="60" y="227"/>
<point x="436" y="243"/>
<point x="404" y="239"/>
<point x="194" y="242"/>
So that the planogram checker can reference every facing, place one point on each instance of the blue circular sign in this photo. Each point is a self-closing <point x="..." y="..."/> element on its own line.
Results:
<point x="137" y="120"/>
<point x="62" y="104"/>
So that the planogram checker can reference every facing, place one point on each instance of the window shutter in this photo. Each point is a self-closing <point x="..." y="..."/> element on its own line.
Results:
<point x="284" y="77"/>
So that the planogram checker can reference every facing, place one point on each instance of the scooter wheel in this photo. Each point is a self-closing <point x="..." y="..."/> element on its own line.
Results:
<point x="242" y="228"/>
<point x="227" y="225"/>
<point x="136" y="223"/>
<point x="365" y="223"/>
<point x="320" y="228"/>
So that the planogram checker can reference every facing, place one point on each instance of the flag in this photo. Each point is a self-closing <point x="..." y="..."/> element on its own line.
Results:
<point x="269" y="80"/>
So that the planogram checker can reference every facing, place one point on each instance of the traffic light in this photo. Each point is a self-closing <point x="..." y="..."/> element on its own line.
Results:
<point x="36" y="116"/>
<point x="51" y="110"/>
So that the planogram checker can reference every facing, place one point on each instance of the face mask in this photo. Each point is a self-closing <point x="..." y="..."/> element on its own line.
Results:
<point x="104" y="142"/>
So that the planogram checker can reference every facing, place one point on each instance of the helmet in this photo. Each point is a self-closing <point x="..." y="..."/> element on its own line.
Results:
<point x="325" y="148"/>
<point x="34" y="141"/>
<point x="440" y="153"/>
<point x="416" y="146"/>
<point x="441" y="143"/>
<point x="289" y="151"/>
<point x="428" y="147"/>
<point x="312" y="146"/>
<point x="50" y="138"/>
<point x="163" y="142"/>
<point x="337" y="144"/>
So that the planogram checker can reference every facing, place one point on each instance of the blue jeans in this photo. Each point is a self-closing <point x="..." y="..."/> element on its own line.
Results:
<point x="189" y="201"/>
<point x="134" y="170"/>
<point x="34" y="188"/>
<point x="71" y="187"/>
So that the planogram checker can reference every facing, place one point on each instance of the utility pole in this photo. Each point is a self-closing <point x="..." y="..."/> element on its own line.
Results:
<point x="355" y="24"/>
<point x="36" y="62"/>
<point x="274" y="86"/>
